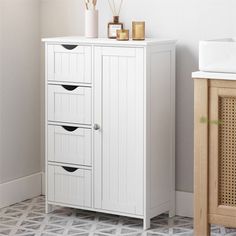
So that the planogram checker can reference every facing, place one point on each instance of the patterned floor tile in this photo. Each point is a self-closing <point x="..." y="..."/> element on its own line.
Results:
<point x="28" y="218"/>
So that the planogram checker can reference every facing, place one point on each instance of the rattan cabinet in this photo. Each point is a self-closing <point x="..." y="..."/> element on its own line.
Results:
<point x="214" y="151"/>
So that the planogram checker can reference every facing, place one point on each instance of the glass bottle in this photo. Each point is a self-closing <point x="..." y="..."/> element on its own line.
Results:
<point x="113" y="27"/>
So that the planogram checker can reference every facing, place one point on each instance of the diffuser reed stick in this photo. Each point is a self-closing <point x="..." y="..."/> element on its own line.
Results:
<point x="113" y="7"/>
<point x="94" y="4"/>
<point x="121" y="3"/>
<point x="88" y="4"/>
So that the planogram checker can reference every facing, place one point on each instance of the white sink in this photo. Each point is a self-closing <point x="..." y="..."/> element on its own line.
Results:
<point x="218" y="55"/>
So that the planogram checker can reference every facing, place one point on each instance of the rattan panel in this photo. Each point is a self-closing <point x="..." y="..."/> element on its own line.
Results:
<point x="227" y="151"/>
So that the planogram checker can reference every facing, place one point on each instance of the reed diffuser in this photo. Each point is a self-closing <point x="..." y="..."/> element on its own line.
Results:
<point x="115" y="24"/>
<point x="91" y="19"/>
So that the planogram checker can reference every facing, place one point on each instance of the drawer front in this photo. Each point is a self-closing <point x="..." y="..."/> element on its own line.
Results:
<point x="69" y="186"/>
<point x="70" y="145"/>
<point x="69" y="63"/>
<point x="69" y="104"/>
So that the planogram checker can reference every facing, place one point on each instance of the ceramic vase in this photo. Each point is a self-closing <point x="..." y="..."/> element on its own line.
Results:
<point x="91" y="23"/>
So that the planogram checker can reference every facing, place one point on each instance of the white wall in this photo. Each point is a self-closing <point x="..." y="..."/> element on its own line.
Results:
<point x="19" y="89"/>
<point x="61" y="17"/>
<point x="185" y="20"/>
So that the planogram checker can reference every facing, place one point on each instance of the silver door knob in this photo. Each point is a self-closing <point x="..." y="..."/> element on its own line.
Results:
<point x="96" y="127"/>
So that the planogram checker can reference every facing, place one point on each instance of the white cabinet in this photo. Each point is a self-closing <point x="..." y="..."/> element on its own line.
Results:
<point x="110" y="122"/>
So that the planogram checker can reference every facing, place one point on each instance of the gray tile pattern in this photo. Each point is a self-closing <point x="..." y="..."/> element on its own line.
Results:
<point x="28" y="219"/>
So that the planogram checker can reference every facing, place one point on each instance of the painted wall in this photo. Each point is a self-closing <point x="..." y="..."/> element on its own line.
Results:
<point x="19" y="89"/>
<point x="185" y="20"/>
<point x="61" y="17"/>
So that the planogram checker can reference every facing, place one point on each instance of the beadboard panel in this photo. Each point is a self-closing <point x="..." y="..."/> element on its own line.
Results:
<point x="70" y="188"/>
<point x="69" y="106"/>
<point x="122" y="129"/>
<point x="71" y="145"/>
<point x="69" y="65"/>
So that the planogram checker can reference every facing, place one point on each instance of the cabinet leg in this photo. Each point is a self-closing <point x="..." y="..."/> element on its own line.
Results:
<point x="201" y="228"/>
<point x="49" y="208"/>
<point x="172" y="212"/>
<point x="146" y="223"/>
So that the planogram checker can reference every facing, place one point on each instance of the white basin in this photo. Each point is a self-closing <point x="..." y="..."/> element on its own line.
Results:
<point x="218" y="55"/>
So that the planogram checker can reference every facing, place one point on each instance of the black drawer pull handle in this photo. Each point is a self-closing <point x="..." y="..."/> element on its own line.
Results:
<point x="69" y="128"/>
<point x="70" y="87"/>
<point x="69" y="47"/>
<point x="69" y="169"/>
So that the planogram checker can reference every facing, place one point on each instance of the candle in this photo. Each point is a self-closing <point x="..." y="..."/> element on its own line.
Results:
<point x="138" y="30"/>
<point x="122" y="35"/>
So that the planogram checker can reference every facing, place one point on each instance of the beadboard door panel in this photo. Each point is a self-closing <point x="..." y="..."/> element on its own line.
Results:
<point x="69" y="63"/>
<point x="69" y="185"/>
<point x="69" y="104"/>
<point x="119" y="153"/>
<point x="72" y="145"/>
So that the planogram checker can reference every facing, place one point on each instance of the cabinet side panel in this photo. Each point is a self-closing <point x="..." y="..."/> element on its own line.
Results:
<point x="160" y="125"/>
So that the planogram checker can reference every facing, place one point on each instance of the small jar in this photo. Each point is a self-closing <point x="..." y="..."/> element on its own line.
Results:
<point x="113" y="27"/>
<point x="122" y="35"/>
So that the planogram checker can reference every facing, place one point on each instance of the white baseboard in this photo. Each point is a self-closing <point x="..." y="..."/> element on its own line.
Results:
<point x="184" y="204"/>
<point x="20" y="189"/>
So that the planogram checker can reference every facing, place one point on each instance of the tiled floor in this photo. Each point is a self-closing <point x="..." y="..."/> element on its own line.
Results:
<point x="28" y="218"/>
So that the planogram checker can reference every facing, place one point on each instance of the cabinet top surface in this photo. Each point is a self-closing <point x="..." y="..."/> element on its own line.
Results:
<point x="102" y="41"/>
<point x="212" y="75"/>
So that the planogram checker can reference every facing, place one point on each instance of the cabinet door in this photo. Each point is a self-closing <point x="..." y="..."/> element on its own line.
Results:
<point x="119" y="144"/>
<point x="222" y="153"/>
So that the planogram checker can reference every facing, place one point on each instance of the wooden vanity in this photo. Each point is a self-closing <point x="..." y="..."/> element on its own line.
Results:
<point x="214" y="151"/>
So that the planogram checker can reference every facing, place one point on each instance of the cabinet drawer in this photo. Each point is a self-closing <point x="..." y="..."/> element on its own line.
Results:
<point x="69" y="63"/>
<point x="69" y="185"/>
<point x="69" y="104"/>
<point x="70" y="145"/>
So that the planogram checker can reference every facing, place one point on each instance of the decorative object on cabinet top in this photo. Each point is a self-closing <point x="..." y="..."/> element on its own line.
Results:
<point x="91" y="19"/>
<point x="112" y="27"/>
<point x="138" y="30"/>
<point x="122" y="35"/>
